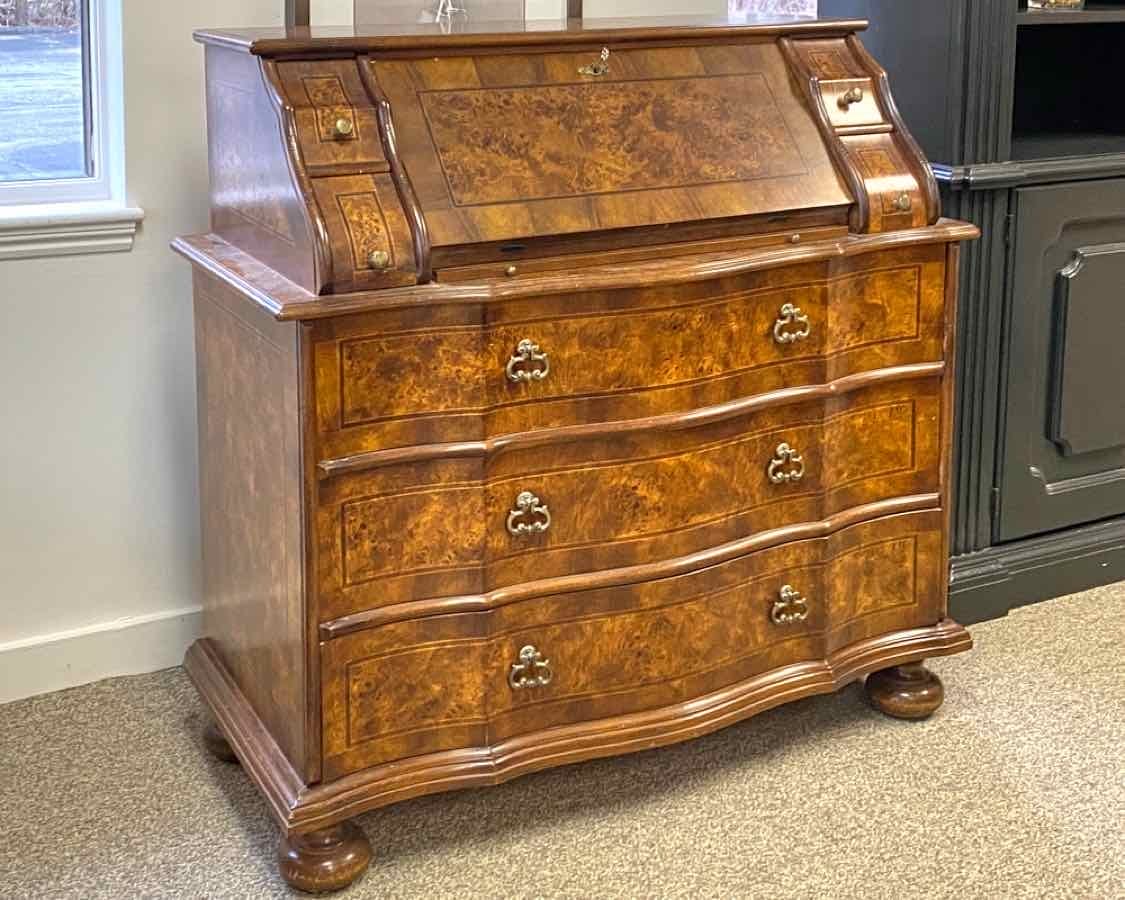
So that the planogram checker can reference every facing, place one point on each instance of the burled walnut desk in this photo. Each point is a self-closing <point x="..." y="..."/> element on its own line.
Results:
<point x="562" y="393"/>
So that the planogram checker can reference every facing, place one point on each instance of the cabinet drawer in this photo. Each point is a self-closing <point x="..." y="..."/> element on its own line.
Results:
<point x="465" y="680"/>
<point x="456" y="373"/>
<point x="434" y="528"/>
<point x="336" y="122"/>
<point x="368" y="232"/>
<point x="851" y="102"/>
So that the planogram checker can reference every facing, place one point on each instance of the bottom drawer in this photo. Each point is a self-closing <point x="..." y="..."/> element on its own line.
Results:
<point x="465" y="679"/>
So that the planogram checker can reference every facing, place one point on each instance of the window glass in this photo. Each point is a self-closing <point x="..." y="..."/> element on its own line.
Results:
<point x="44" y="105"/>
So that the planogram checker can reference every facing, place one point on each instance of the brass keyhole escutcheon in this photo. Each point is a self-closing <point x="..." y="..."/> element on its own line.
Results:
<point x="600" y="67"/>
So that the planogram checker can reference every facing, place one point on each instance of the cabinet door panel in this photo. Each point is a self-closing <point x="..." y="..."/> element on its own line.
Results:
<point x="1064" y="435"/>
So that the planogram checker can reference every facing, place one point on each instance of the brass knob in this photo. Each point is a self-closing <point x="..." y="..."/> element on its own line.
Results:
<point x="378" y="259"/>
<point x="510" y="271"/>
<point x="789" y="607"/>
<point x="903" y="202"/>
<point x="855" y="95"/>
<point x="343" y="127"/>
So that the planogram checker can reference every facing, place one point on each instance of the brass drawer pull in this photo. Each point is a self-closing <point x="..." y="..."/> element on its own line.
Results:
<point x="903" y="203"/>
<point x="378" y="259"/>
<point x="789" y="316"/>
<point x="787" y="465"/>
<point x="529" y="517"/>
<point x="601" y="67"/>
<point x="528" y="364"/>
<point x="855" y="95"/>
<point x="531" y="671"/>
<point x="343" y="127"/>
<point x="789" y="607"/>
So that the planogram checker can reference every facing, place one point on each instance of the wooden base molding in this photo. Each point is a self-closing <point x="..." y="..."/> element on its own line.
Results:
<point x="302" y="808"/>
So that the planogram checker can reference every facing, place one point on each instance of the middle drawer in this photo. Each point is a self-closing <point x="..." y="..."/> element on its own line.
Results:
<point x="432" y="528"/>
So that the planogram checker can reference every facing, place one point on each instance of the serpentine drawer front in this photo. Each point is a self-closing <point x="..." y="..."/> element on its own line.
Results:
<point x="432" y="528"/>
<point x="427" y="685"/>
<point x="472" y="371"/>
<point x="562" y="393"/>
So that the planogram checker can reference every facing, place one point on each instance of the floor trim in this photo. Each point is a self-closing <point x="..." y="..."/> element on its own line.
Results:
<point x="65" y="659"/>
<point x="992" y="582"/>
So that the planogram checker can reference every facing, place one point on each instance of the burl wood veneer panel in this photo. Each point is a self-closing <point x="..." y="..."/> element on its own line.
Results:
<point x="429" y="529"/>
<point x="440" y="683"/>
<point x="502" y="147"/>
<point x="255" y="204"/>
<point x="413" y="376"/>
<point x="251" y="504"/>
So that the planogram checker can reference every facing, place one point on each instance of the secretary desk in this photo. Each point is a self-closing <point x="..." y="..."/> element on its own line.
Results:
<point x="564" y="391"/>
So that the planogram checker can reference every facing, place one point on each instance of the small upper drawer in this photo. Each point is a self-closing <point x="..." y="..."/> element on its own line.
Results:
<point x="425" y="527"/>
<point x="465" y="680"/>
<point x="456" y="373"/>
<point x="336" y="122"/>
<point x="370" y="240"/>
<point x="851" y="102"/>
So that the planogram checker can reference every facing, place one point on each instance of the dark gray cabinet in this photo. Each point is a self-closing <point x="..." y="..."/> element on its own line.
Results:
<point x="1021" y="116"/>
<point x="1063" y="460"/>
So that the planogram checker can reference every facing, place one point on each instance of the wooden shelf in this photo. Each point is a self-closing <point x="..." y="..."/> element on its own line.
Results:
<point x="1049" y="145"/>
<point x="1091" y="15"/>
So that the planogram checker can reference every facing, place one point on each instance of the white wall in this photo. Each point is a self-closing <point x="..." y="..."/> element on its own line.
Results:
<point x="99" y="535"/>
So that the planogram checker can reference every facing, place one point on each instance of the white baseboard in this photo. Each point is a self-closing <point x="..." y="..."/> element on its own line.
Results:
<point x="64" y="659"/>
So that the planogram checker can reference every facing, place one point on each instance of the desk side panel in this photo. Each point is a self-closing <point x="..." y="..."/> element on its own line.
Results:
<point x="255" y="203"/>
<point x="251" y="508"/>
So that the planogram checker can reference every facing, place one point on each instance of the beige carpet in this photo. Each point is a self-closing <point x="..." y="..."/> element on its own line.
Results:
<point x="1016" y="788"/>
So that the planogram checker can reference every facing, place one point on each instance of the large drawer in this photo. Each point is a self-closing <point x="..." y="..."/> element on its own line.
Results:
<point x="465" y="680"/>
<point x="465" y="372"/>
<point x="427" y="528"/>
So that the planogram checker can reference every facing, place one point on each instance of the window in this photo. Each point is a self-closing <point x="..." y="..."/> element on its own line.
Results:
<point x="61" y="128"/>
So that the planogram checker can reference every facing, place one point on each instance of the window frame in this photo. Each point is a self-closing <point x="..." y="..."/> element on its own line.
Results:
<point x="103" y="121"/>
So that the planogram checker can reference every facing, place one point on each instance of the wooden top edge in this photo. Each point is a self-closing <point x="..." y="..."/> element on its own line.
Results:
<point x="372" y="38"/>
<point x="287" y="301"/>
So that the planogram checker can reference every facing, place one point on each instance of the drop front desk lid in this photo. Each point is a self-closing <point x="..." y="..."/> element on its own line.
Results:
<point x="509" y="141"/>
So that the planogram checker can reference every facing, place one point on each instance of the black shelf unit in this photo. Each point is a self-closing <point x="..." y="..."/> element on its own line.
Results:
<point x="1019" y="112"/>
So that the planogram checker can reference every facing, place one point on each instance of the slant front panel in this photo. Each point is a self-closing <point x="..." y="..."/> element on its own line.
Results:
<point x="499" y="147"/>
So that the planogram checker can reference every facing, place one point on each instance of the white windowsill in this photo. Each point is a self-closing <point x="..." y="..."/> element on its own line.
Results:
<point x="66" y="229"/>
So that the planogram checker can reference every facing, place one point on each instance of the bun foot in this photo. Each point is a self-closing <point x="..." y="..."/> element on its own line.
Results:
<point x="217" y="744"/>
<point x="326" y="860"/>
<point x="905" y="692"/>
